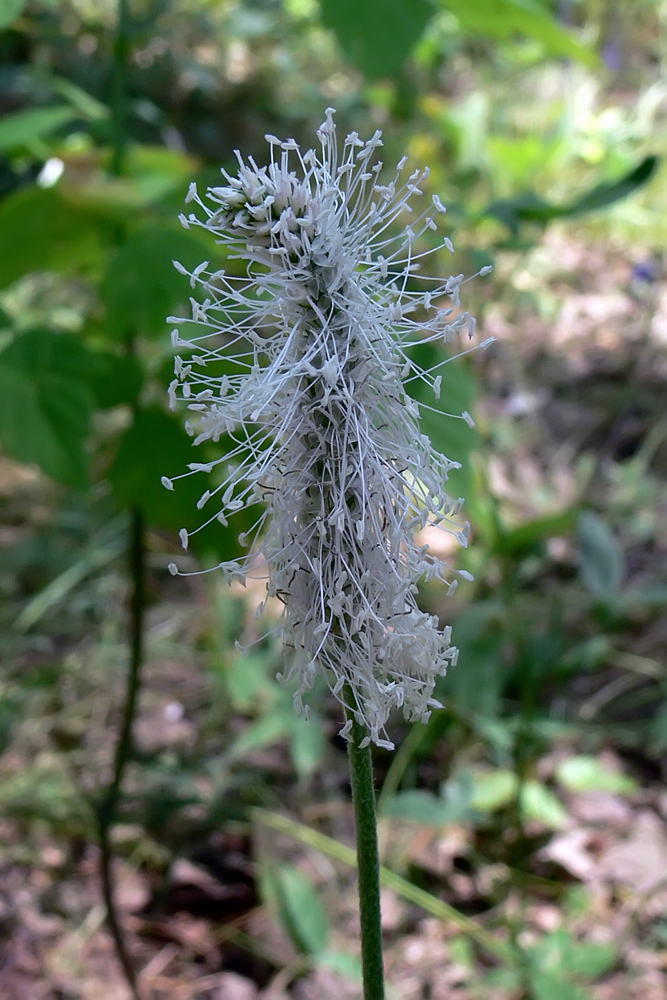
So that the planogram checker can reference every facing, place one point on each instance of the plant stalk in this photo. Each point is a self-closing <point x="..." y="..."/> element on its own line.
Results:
<point x="106" y="813"/>
<point x="368" y="858"/>
<point x="107" y="808"/>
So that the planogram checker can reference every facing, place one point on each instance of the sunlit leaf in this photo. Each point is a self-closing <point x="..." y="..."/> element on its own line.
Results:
<point x="506" y="19"/>
<point x="583" y="773"/>
<point x="23" y="127"/>
<point x="539" y="803"/>
<point x="9" y="11"/>
<point x="38" y="232"/>
<point x="552" y="986"/>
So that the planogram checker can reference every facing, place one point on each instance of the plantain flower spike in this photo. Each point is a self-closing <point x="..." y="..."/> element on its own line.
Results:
<point x="303" y="365"/>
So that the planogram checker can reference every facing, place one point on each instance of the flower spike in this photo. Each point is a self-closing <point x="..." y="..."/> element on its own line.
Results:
<point x="303" y="363"/>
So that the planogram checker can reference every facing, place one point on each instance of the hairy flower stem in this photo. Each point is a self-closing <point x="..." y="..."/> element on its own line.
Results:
<point x="368" y="858"/>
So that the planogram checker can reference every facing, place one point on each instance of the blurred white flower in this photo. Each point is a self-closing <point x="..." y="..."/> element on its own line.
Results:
<point x="304" y="363"/>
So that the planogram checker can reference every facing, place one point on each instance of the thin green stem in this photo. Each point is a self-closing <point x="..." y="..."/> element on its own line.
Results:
<point x="118" y="88"/>
<point x="107" y="808"/>
<point x="368" y="858"/>
<point x="106" y="813"/>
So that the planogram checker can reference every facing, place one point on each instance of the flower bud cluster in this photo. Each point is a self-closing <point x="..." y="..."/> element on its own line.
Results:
<point x="303" y="364"/>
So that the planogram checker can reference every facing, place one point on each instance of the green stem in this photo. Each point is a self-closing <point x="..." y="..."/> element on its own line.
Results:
<point x="107" y="808"/>
<point x="118" y="88"/>
<point x="106" y="813"/>
<point x="368" y="858"/>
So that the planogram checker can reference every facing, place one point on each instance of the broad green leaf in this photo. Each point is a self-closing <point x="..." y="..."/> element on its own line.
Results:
<point x="590" y="959"/>
<point x="602" y="564"/>
<point x="142" y="286"/>
<point x="23" y="127"/>
<point x="377" y="35"/>
<point x="551" y="986"/>
<point x="540" y="804"/>
<point x="9" y="11"/>
<point x="505" y="19"/>
<point x="46" y="404"/>
<point x="493" y="789"/>
<point x="155" y="445"/>
<point x="38" y="232"/>
<point x="588" y="774"/>
<point x="477" y="681"/>
<point x="559" y="953"/>
<point x="422" y="807"/>
<point x="301" y="910"/>
<point x="450" y="435"/>
<point x="115" y="379"/>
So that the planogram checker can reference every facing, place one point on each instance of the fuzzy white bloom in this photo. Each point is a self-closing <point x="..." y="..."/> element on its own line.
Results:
<point x="303" y="363"/>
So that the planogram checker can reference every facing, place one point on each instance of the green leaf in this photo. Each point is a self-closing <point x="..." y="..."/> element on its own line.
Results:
<point x="602" y="564"/>
<point x="590" y="959"/>
<point x="46" y="404"/>
<point x="422" y="807"/>
<point x="527" y="537"/>
<point x="85" y="104"/>
<point x="540" y="804"/>
<point x="9" y="11"/>
<point x="141" y="286"/>
<point x="307" y="744"/>
<point x="249" y="684"/>
<point x="588" y="774"/>
<point x="301" y="910"/>
<point x="493" y="789"/>
<point x="505" y="19"/>
<point x="263" y="733"/>
<point x="448" y="434"/>
<point x="377" y="35"/>
<point x="477" y="682"/>
<point x="23" y="127"/>
<point x="530" y="207"/>
<point x="558" y="956"/>
<point x="115" y="379"/>
<point x="155" y="445"/>
<point x="551" y="986"/>
<point x="38" y="232"/>
<point x="609" y="192"/>
<point x="342" y="963"/>
<point x="659" y="727"/>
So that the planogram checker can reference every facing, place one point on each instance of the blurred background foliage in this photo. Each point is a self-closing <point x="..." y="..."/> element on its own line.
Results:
<point x="524" y="831"/>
